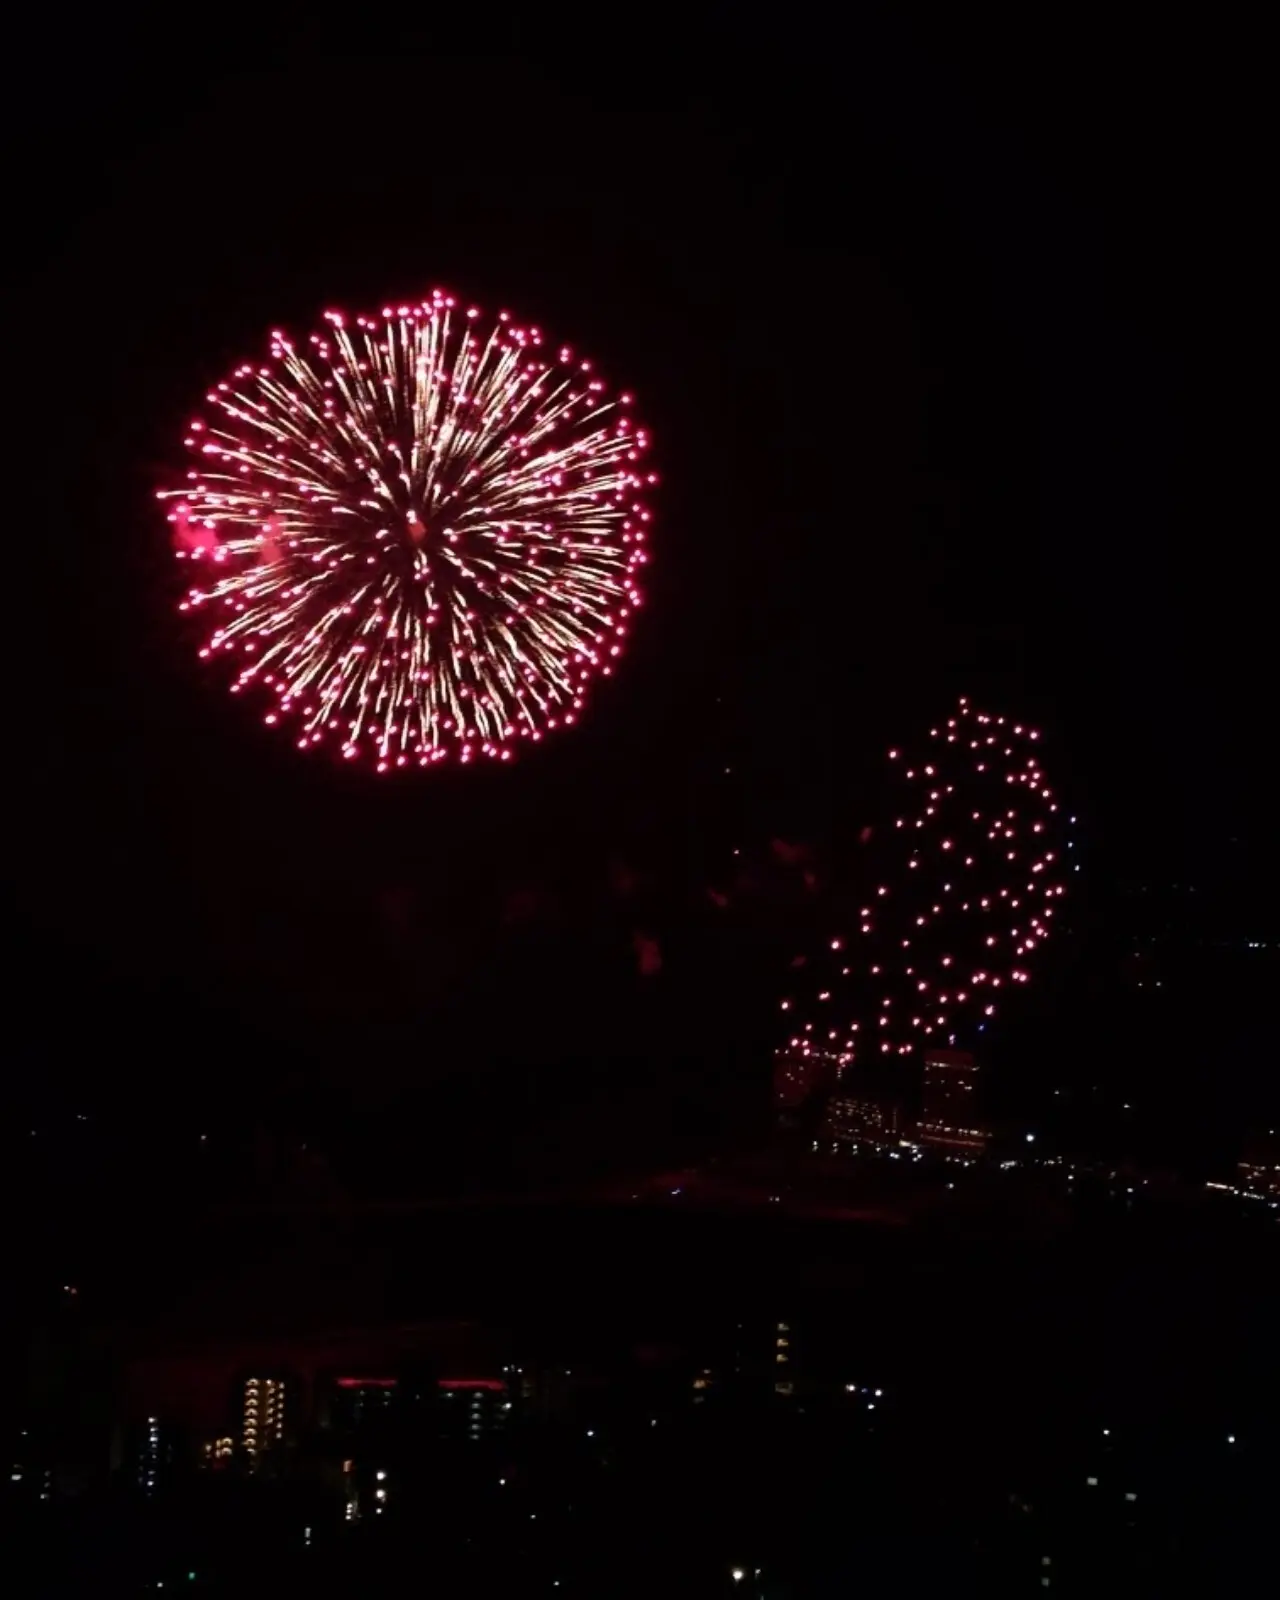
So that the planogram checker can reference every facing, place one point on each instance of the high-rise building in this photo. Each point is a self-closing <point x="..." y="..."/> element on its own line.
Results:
<point x="950" y="1079"/>
<point x="263" y="1414"/>
<point x="148" y="1454"/>
<point x="355" y="1404"/>
<point x="218" y="1452"/>
<point x="473" y="1408"/>
<point x="390" y="1419"/>
<point x="948" y="1116"/>
<point x="31" y="1462"/>
<point x="783" y="1381"/>
<point x="865" y="1120"/>
<point x="799" y="1076"/>
<point x="1258" y="1171"/>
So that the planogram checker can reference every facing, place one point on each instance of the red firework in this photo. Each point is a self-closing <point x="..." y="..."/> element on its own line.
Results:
<point x="976" y="871"/>
<point x="422" y="533"/>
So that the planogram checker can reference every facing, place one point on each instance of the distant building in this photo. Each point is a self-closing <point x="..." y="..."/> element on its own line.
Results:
<point x="756" y="1358"/>
<point x="783" y="1381"/>
<point x="950" y="1079"/>
<point x="218" y="1452"/>
<point x="147" y="1455"/>
<point x="1258" y="1170"/>
<point x="799" y="1076"/>
<point x="866" y="1120"/>
<point x="761" y="1359"/>
<point x="388" y="1421"/>
<point x="354" y="1404"/>
<point x="472" y="1409"/>
<point x="948" y="1115"/>
<point x="31" y="1473"/>
<point x="263" y="1416"/>
<point x="704" y="1383"/>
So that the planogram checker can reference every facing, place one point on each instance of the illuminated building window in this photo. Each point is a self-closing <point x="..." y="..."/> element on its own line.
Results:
<point x="264" y="1414"/>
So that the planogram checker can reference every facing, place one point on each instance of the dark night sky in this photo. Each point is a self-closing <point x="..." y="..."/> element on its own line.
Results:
<point x="944" y="342"/>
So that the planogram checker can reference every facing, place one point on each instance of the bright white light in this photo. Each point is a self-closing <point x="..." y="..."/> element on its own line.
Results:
<point x="738" y="1574"/>
<point x="380" y="1476"/>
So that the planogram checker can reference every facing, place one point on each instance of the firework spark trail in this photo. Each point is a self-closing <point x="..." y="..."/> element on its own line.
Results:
<point x="424" y="542"/>
<point x="979" y="867"/>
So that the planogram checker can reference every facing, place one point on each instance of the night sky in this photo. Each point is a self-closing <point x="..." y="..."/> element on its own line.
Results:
<point x="947" y="363"/>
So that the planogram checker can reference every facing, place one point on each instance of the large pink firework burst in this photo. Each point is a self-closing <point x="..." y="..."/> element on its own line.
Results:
<point x="421" y="533"/>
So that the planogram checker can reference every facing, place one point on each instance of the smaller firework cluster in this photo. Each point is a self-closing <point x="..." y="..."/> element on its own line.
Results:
<point x="972" y="872"/>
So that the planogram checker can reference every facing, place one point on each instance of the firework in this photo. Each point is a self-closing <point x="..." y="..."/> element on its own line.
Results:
<point x="976" y="871"/>
<point x="421" y="533"/>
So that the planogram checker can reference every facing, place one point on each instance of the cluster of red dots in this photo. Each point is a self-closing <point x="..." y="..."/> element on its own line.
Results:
<point x="976" y="868"/>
